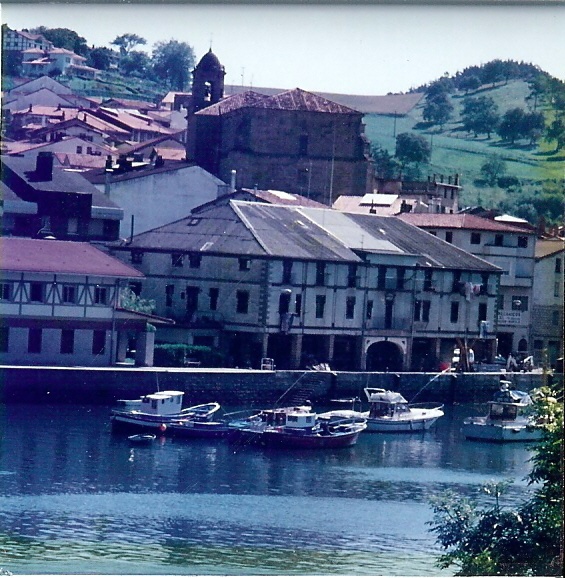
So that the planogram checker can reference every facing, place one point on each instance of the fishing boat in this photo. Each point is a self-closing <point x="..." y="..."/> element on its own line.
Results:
<point x="157" y="411"/>
<point x="298" y="427"/>
<point x="507" y="419"/>
<point x="197" y="428"/>
<point x="389" y="411"/>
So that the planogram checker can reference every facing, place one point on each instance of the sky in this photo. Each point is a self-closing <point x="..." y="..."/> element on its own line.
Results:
<point x="366" y="49"/>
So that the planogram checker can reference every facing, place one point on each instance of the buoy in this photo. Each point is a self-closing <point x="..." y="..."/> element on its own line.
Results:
<point x="162" y="427"/>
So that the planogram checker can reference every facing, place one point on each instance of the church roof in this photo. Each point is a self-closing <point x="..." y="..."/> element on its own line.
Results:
<point x="209" y="62"/>
<point x="296" y="99"/>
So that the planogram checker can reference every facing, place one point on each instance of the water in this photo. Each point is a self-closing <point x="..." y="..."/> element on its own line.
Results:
<point x="75" y="498"/>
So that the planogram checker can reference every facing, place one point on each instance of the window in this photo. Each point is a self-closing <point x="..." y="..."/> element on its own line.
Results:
<point x="499" y="240"/>
<point x="5" y="291"/>
<point x="556" y="287"/>
<point x="213" y="294"/>
<point x="500" y="302"/>
<point x="434" y="233"/>
<point x="320" y="306"/>
<point x="369" y="312"/>
<point x="449" y="236"/>
<point x="454" y="314"/>
<point x="98" y="342"/>
<point x="191" y="299"/>
<point x="69" y="294"/>
<point x="522" y="241"/>
<point x="244" y="264"/>
<point x="475" y="238"/>
<point x="34" y="340"/>
<point x="320" y="273"/>
<point x="428" y="280"/>
<point x="242" y="298"/>
<point x="558" y="265"/>
<point x="169" y="291"/>
<point x="555" y="317"/>
<point x="137" y="257"/>
<point x="100" y="295"/>
<point x="298" y="304"/>
<point x="381" y="278"/>
<point x="135" y="287"/>
<point x="79" y="150"/>
<point x="88" y="150"/>
<point x="67" y="341"/>
<point x="194" y="260"/>
<point x="287" y="271"/>
<point x="422" y="310"/>
<point x="350" y="308"/>
<point x="4" y="339"/>
<point x="284" y="302"/>
<point x="352" y="276"/>
<point x="456" y="282"/>
<point x="400" y="276"/>
<point x="37" y="292"/>
<point x="519" y="303"/>
<point x="482" y="312"/>
<point x="177" y="259"/>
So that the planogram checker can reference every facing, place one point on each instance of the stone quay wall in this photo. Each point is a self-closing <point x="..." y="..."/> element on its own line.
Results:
<point x="251" y="388"/>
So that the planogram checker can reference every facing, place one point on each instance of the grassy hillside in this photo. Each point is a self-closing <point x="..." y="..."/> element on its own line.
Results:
<point x="455" y="151"/>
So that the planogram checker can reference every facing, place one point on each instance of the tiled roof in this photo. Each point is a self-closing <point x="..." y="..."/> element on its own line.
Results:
<point x="61" y="257"/>
<point x="296" y="99"/>
<point x="98" y="176"/>
<point x="547" y="247"/>
<point x="458" y="221"/>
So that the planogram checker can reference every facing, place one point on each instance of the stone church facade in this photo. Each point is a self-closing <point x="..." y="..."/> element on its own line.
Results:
<point x="294" y="141"/>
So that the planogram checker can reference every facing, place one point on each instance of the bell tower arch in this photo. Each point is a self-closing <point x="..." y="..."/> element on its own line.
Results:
<point x="207" y="82"/>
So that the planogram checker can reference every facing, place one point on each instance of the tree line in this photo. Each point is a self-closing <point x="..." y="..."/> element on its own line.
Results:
<point x="169" y="63"/>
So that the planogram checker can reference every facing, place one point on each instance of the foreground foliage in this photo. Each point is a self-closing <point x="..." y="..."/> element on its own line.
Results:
<point x="498" y="541"/>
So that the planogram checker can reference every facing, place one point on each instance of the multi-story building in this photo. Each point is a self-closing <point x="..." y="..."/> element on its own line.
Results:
<point x="40" y="200"/>
<point x="297" y="283"/>
<point x="547" y="311"/>
<point x="507" y="246"/>
<point x="20" y="40"/>
<point x="59" y="305"/>
<point x="40" y="62"/>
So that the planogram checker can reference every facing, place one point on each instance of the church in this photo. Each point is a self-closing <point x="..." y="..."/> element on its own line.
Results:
<point x="294" y="141"/>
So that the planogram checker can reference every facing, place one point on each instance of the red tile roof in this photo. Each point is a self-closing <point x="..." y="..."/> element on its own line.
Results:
<point x="458" y="221"/>
<point x="62" y="257"/>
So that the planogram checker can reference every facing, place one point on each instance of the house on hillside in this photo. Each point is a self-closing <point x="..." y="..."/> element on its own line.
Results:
<point x="301" y="283"/>
<point x="20" y="40"/>
<point x="39" y="62"/>
<point x="59" y="305"/>
<point x="154" y="193"/>
<point x="509" y="247"/>
<point x="42" y="200"/>
<point x="547" y="306"/>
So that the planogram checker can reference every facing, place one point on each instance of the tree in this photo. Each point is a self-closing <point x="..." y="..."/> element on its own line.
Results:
<point x="172" y="62"/>
<point x="386" y="165"/>
<point x="556" y="132"/>
<point x="472" y="82"/>
<point x="533" y="126"/>
<point x="135" y="63"/>
<point x="127" y="42"/>
<point x="526" y="541"/>
<point x="493" y="169"/>
<point x="412" y="148"/>
<point x="129" y="300"/>
<point x="493" y="72"/>
<point x="438" y="109"/>
<point x="510" y="127"/>
<point x="480" y="115"/>
<point x="64" y="38"/>
<point x="100" y="58"/>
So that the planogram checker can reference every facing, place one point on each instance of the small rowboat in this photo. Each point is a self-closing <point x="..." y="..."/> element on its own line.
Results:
<point x="142" y="439"/>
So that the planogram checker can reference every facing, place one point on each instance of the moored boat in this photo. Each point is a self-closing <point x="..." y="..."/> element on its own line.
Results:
<point x="389" y="411"/>
<point x="157" y="411"/>
<point x="142" y="439"/>
<point x="507" y="419"/>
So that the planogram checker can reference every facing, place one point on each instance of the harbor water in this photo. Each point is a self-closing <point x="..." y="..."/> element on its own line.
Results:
<point x="77" y="498"/>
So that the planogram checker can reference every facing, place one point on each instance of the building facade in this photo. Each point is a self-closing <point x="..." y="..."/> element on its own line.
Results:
<point x="59" y="305"/>
<point x="304" y="284"/>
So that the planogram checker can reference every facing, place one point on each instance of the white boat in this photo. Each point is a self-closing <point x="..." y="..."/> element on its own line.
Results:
<point x="157" y="411"/>
<point x="507" y="419"/>
<point x="389" y="411"/>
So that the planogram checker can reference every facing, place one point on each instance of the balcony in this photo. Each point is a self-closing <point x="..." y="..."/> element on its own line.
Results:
<point x="397" y="324"/>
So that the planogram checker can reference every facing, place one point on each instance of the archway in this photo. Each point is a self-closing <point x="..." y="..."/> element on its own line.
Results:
<point x="384" y="356"/>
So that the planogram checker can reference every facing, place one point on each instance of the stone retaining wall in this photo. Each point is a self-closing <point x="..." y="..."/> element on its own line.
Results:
<point x="241" y="387"/>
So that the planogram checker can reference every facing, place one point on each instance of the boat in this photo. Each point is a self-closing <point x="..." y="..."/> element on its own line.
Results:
<point x="196" y="428"/>
<point x="142" y="439"/>
<point x="157" y="411"/>
<point x="389" y="411"/>
<point x="507" y="419"/>
<point x="298" y="427"/>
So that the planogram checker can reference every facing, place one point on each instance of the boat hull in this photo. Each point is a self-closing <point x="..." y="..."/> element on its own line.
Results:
<point x="281" y="439"/>
<point x="500" y="432"/>
<point x="382" y="425"/>
<point x="202" y="430"/>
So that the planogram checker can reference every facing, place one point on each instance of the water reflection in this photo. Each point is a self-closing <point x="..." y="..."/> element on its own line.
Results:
<point x="76" y="498"/>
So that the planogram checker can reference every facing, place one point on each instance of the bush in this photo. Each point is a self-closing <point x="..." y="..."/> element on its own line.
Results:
<point x="175" y="354"/>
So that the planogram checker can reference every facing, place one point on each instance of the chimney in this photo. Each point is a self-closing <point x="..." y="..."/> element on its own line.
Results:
<point x="232" y="182"/>
<point x="159" y="162"/>
<point x="44" y="166"/>
<point x="108" y="165"/>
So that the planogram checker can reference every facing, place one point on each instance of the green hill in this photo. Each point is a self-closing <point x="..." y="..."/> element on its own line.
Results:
<point x="456" y="151"/>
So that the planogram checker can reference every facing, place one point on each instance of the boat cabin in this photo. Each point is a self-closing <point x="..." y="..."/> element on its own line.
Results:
<point x="503" y="411"/>
<point x="292" y="418"/>
<point x="385" y="403"/>
<point x="162" y="403"/>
